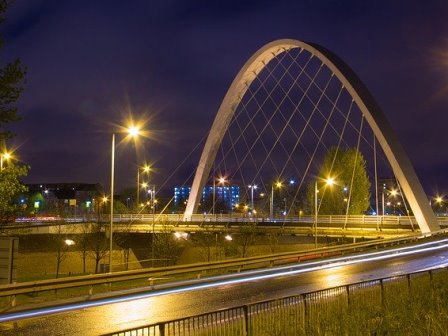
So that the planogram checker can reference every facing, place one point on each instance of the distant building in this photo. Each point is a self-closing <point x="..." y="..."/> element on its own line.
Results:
<point x="62" y="198"/>
<point x="228" y="195"/>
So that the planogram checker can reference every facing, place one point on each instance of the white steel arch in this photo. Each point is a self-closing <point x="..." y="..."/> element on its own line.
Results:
<point x="393" y="150"/>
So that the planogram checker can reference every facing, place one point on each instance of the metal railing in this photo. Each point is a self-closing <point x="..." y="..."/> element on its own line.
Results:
<point x="103" y="282"/>
<point x="233" y="218"/>
<point x="313" y="313"/>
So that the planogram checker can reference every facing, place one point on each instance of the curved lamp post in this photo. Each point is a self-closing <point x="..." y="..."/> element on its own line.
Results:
<point x="133" y="132"/>
<point x="328" y="182"/>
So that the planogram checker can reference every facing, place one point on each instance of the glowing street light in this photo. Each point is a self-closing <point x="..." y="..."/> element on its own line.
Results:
<point x="252" y="187"/>
<point x="278" y="185"/>
<point x="221" y="180"/>
<point x="145" y="169"/>
<point x="329" y="181"/>
<point x="69" y="242"/>
<point x="133" y="131"/>
<point x="6" y="156"/>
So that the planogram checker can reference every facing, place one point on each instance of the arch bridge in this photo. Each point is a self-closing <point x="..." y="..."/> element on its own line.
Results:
<point x="350" y="83"/>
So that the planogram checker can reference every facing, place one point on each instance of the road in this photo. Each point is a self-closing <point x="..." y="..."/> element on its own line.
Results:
<point x="264" y="285"/>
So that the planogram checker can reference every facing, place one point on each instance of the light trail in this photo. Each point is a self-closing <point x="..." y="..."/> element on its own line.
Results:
<point x="257" y="275"/>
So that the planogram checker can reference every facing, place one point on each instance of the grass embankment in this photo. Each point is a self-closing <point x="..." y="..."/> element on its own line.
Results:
<point x="399" y="307"/>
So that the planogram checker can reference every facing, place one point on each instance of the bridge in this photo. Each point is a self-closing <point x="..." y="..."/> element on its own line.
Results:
<point x="298" y="126"/>
<point x="328" y="225"/>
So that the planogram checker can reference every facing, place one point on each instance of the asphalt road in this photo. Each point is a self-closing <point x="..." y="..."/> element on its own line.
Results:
<point x="138" y="312"/>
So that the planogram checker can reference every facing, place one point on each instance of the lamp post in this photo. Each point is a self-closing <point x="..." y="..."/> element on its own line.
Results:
<point x="439" y="200"/>
<point x="112" y="177"/>
<point x="278" y="184"/>
<point x="4" y="157"/>
<point x="133" y="132"/>
<point x="221" y="181"/>
<point x="328" y="182"/>
<point x="315" y="214"/>
<point x="252" y="187"/>
<point x="153" y="201"/>
<point x="145" y="169"/>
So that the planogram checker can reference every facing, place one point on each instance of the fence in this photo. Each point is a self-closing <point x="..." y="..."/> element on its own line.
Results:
<point x="233" y="218"/>
<point x="401" y="304"/>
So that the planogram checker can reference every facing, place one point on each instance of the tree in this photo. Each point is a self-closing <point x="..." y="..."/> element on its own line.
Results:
<point x="245" y="237"/>
<point x="207" y="240"/>
<point x="62" y="246"/>
<point x="98" y="243"/>
<point x="12" y="77"/>
<point x="347" y="167"/>
<point x="166" y="247"/>
<point x="10" y="189"/>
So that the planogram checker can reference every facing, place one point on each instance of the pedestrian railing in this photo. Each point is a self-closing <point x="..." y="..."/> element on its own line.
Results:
<point x="234" y="218"/>
<point x="366" y="307"/>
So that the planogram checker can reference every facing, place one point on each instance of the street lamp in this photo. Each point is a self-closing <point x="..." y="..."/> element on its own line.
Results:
<point x="6" y="156"/>
<point x="278" y="185"/>
<point x="145" y="169"/>
<point x="133" y="132"/>
<point x="152" y="202"/>
<point x="221" y="180"/>
<point x="252" y="187"/>
<point x="439" y="200"/>
<point x="328" y="182"/>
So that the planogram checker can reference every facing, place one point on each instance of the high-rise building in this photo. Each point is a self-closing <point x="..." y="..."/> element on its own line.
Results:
<point x="228" y="195"/>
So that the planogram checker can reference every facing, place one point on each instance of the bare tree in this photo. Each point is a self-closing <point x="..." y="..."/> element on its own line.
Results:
<point x="274" y="237"/>
<point x="167" y="247"/>
<point x="98" y="243"/>
<point x="206" y="240"/>
<point x="62" y="245"/>
<point x="245" y="237"/>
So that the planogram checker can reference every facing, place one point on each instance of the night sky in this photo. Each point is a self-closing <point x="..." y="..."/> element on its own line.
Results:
<point x="171" y="62"/>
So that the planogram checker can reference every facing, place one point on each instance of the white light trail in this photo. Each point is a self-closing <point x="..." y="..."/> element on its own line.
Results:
<point x="235" y="279"/>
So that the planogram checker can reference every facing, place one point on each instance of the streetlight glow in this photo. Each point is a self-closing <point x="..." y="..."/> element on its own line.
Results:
<point x="69" y="242"/>
<point x="6" y="156"/>
<point x="252" y="187"/>
<point x="329" y="181"/>
<point x="134" y="131"/>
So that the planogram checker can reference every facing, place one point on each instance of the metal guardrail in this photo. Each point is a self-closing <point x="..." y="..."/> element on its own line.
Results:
<point x="304" y="314"/>
<point x="34" y="287"/>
